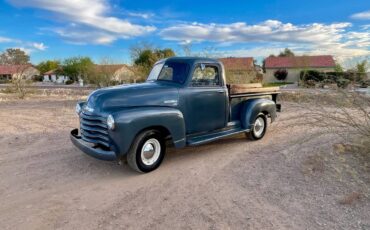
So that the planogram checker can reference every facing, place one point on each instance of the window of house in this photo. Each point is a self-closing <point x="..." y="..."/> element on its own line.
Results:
<point x="205" y="76"/>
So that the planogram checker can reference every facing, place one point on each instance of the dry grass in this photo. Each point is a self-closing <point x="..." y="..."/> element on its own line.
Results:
<point x="346" y="114"/>
<point x="9" y="96"/>
<point x="313" y="164"/>
<point x="350" y="198"/>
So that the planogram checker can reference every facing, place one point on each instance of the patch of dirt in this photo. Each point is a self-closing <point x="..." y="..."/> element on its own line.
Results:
<point x="279" y="182"/>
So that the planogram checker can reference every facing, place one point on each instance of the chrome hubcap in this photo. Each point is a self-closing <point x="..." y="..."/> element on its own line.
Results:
<point x="150" y="151"/>
<point x="259" y="126"/>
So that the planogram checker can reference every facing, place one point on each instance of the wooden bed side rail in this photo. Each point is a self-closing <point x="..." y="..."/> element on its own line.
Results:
<point x="250" y="88"/>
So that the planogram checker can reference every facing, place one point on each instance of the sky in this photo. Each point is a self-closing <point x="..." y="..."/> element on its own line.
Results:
<point x="48" y="29"/>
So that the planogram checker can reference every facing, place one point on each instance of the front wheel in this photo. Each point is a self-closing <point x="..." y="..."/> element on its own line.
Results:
<point x="147" y="151"/>
<point x="259" y="128"/>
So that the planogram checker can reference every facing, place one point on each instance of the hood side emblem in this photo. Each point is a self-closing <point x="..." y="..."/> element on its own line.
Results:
<point x="174" y="102"/>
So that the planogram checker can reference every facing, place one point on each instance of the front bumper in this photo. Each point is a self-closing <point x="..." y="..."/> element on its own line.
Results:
<point x="89" y="150"/>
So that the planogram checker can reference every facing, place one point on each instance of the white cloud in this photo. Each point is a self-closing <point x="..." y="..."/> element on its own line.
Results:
<point x="140" y="15"/>
<point x="39" y="46"/>
<point x="273" y="36"/>
<point x="270" y="30"/>
<point x="28" y="47"/>
<point x="6" y="40"/>
<point x="362" y="15"/>
<point x="79" y="35"/>
<point x="89" y="13"/>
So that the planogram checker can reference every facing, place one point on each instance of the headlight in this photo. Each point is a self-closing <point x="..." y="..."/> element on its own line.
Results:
<point x="110" y="122"/>
<point x="78" y="109"/>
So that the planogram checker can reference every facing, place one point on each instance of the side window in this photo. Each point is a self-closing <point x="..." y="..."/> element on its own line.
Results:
<point x="166" y="73"/>
<point x="206" y="76"/>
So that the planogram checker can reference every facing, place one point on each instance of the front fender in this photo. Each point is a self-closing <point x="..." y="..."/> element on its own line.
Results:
<point x="253" y="107"/>
<point x="130" y="122"/>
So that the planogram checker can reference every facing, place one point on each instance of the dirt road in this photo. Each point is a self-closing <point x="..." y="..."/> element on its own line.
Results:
<point x="46" y="183"/>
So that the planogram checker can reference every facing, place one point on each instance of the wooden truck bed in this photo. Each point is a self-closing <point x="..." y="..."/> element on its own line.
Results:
<point x="241" y="90"/>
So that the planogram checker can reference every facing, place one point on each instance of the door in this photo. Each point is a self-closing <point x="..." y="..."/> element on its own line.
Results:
<point x="204" y="100"/>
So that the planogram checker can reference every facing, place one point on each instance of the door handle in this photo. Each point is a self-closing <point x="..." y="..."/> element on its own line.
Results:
<point x="220" y="91"/>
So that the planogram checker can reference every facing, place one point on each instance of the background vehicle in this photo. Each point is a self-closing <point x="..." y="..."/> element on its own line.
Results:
<point x="185" y="100"/>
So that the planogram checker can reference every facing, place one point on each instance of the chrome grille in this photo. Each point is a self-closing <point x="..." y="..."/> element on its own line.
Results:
<point x="94" y="129"/>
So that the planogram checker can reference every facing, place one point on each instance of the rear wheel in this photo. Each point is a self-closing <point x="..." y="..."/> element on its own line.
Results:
<point x="147" y="151"/>
<point x="259" y="128"/>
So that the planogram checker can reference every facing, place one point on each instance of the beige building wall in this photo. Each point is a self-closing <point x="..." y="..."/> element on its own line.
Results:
<point x="125" y="75"/>
<point x="26" y="73"/>
<point x="293" y="74"/>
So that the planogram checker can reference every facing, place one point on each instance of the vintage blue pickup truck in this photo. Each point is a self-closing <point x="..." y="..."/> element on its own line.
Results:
<point x="185" y="101"/>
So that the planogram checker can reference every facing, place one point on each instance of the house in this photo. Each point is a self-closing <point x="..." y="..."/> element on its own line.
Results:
<point x="55" y="76"/>
<point x="239" y="69"/>
<point x="121" y="73"/>
<point x="9" y="72"/>
<point x="294" y="65"/>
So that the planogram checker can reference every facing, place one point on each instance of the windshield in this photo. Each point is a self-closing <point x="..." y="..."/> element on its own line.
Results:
<point x="169" y="71"/>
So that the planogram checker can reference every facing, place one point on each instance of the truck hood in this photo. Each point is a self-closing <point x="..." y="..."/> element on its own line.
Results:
<point x="134" y="95"/>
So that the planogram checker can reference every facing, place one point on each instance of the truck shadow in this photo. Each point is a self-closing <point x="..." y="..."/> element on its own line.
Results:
<point x="82" y="163"/>
<point x="215" y="147"/>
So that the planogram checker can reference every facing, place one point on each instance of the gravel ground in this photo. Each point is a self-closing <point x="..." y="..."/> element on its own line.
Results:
<point x="279" y="182"/>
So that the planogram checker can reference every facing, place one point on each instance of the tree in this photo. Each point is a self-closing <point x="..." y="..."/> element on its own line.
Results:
<point x="14" y="57"/>
<point x="186" y="49"/>
<point x="361" y="69"/>
<point x="103" y="75"/>
<point x="338" y="68"/>
<point x="20" y="61"/>
<point x="264" y="63"/>
<point x="281" y="74"/>
<point x="48" y="65"/>
<point x="144" y="59"/>
<point x="78" y="67"/>
<point x="286" y="53"/>
<point x="304" y="63"/>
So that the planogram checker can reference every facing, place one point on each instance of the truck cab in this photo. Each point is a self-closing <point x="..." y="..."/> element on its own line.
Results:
<point x="185" y="101"/>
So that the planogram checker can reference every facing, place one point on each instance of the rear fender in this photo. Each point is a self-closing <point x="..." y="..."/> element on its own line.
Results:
<point x="253" y="107"/>
<point x="130" y="122"/>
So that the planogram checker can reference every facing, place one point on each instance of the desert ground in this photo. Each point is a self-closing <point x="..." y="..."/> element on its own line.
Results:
<point x="283" y="181"/>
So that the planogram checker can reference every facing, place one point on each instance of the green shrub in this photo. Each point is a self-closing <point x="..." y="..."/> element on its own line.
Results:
<point x="115" y="82"/>
<point x="38" y="78"/>
<point x="281" y="74"/>
<point x="338" y="77"/>
<point x="364" y="84"/>
<point x="69" y="82"/>
<point x="342" y="82"/>
<point x="313" y="75"/>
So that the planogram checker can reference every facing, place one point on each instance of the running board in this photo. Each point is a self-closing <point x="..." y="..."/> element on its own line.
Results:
<point x="205" y="138"/>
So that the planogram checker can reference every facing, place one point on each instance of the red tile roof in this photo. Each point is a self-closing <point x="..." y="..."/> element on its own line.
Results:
<point x="234" y="63"/>
<point x="300" y="61"/>
<point x="50" y="72"/>
<point x="11" y="69"/>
